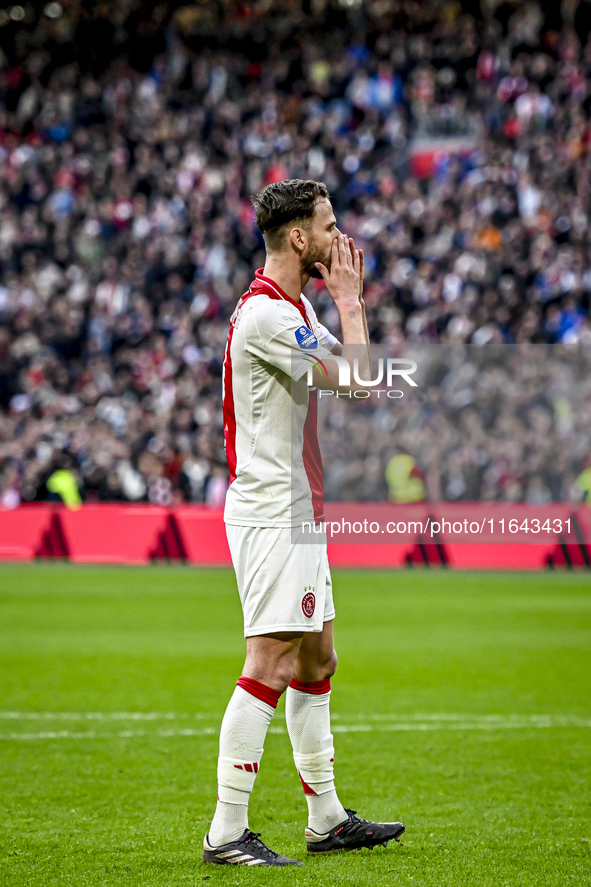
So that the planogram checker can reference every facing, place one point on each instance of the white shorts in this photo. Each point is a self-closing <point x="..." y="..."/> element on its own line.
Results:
<point x="283" y="586"/>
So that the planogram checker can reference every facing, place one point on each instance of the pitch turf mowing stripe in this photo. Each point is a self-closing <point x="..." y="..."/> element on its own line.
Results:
<point x="376" y="724"/>
<point x="545" y="720"/>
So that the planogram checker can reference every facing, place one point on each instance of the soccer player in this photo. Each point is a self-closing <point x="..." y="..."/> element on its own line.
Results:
<point x="275" y="486"/>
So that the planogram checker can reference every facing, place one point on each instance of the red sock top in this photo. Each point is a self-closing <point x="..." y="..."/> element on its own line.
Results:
<point x="316" y="688"/>
<point x="261" y="691"/>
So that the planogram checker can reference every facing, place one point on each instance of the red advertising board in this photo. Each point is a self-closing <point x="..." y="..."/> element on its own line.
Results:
<point x="467" y="535"/>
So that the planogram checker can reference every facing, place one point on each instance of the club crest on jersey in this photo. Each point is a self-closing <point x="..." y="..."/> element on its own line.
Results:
<point x="308" y="603"/>
<point x="306" y="338"/>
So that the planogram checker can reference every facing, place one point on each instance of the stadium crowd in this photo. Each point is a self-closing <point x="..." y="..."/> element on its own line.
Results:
<point x="485" y="423"/>
<point x="131" y="136"/>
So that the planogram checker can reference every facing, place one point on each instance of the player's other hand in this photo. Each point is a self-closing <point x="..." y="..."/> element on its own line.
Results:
<point x="344" y="281"/>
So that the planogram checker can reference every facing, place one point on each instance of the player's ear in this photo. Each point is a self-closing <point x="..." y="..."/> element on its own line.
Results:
<point x="298" y="239"/>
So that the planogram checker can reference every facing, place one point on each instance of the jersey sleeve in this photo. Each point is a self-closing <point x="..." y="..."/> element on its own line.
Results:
<point x="325" y="337"/>
<point x="279" y="335"/>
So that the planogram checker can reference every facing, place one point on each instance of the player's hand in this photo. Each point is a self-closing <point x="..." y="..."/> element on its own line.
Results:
<point x="344" y="281"/>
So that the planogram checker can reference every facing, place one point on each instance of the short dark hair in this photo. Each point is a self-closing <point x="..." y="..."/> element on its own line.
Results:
<point x="284" y="203"/>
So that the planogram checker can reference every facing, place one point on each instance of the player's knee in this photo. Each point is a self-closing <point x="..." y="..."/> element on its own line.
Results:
<point x="283" y="675"/>
<point x="329" y="666"/>
<point x="276" y="674"/>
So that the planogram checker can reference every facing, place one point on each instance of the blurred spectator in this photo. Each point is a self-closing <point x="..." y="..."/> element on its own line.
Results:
<point x="10" y="495"/>
<point x="62" y="483"/>
<point x="583" y="481"/>
<point x="404" y="479"/>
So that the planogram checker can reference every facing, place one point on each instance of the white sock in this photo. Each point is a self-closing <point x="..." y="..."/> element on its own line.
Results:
<point x="307" y="710"/>
<point x="230" y="818"/>
<point x="242" y="737"/>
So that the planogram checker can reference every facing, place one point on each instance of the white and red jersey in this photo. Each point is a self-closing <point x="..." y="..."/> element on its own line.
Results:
<point x="270" y="417"/>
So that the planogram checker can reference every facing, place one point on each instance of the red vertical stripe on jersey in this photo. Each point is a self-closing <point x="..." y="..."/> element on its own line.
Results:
<point x="313" y="458"/>
<point x="228" y="410"/>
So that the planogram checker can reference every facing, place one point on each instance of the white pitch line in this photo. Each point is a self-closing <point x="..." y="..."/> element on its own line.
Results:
<point x="47" y="734"/>
<point x="92" y="734"/>
<point x="542" y="719"/>
<point x="450" y="722"/>
<point x="99" y="715"/>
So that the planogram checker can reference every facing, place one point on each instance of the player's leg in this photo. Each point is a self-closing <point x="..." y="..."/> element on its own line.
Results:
<point x="317" y="658"/>
<point x="307" y="709"/>
<point x="270" y="662"/>
<point x="259" y="556"/>
<point x="271" y="659"/>
<point x="331" y="828"/>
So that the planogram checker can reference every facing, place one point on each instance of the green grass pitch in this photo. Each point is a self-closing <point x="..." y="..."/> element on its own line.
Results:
<point x="461" y="706"/>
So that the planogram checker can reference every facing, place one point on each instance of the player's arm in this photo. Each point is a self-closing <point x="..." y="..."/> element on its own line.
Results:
<point x="344" y="282"/>
<point x="337" y="347"/>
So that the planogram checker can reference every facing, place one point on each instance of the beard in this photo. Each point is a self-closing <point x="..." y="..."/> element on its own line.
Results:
<point x="314" y="255"/>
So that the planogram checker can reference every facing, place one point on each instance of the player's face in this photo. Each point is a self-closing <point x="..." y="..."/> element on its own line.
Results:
<point x="323" y="230"/>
